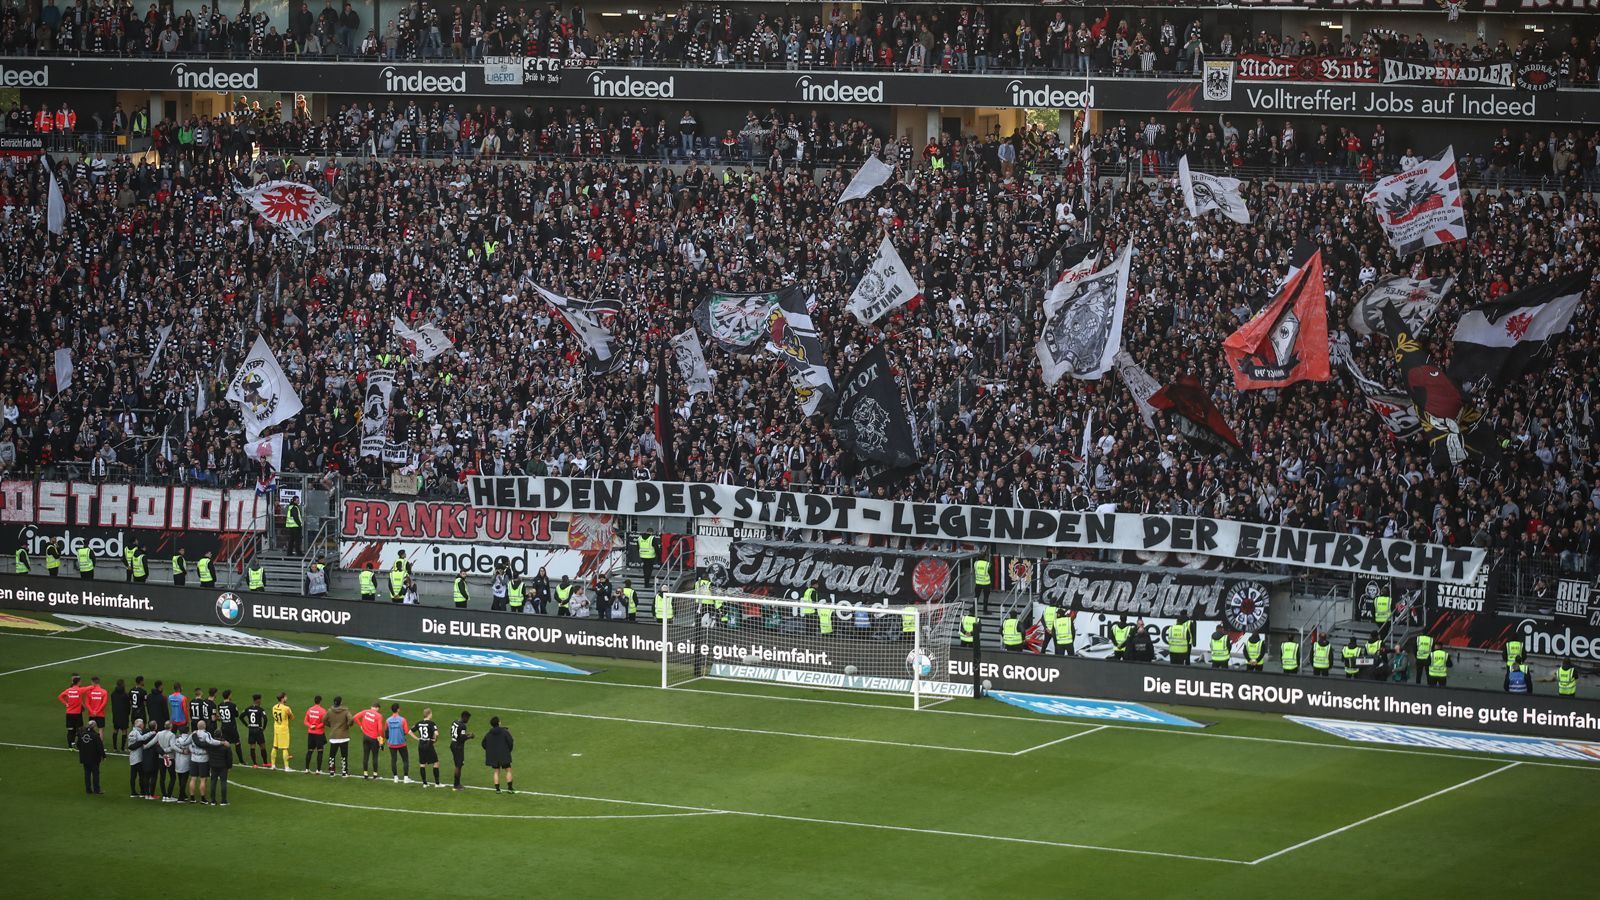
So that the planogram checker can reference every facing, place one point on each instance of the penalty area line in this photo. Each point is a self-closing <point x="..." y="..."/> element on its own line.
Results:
<point x="439" y="685"/>
<point x="1061" y="740"/>
<point x="62" y="662"/>
<point x="469" y="815"/>
<point x="1390" y="811"/>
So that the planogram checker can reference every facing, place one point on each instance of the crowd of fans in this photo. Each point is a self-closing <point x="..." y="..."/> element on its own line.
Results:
<point x="909" y="37"/>
<point x="461" y="243"/>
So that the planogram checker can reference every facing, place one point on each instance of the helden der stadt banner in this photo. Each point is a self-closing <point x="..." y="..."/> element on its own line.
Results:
<point x="939" y="521"/>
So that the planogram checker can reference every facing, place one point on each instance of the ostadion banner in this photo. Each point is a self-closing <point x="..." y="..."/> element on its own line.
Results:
<point x="479" y="560"/>
<point x="846" y="572"/>
<point x="87" y="504"/>
<point x="1145" y="683"/>
<point x="1036" y="527"/>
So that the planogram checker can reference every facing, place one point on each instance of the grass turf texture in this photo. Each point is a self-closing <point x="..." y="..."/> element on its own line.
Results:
<point x="731" y="790"/>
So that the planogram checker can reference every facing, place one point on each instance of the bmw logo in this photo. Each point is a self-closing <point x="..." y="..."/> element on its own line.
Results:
<point x="230" y="610"/>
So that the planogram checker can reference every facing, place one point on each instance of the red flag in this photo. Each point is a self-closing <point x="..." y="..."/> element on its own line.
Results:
<point x="1192" y="413"/>
<point x="1288" y="340"/>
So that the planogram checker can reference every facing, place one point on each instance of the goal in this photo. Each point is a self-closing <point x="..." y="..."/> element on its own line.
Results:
<point x="833" y="646"/>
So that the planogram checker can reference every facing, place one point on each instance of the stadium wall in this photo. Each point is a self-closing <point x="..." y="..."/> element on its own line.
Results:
<point x="1270" y="693"/>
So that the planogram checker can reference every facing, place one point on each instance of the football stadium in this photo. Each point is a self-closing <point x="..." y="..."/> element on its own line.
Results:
<point x="765" y="448"/>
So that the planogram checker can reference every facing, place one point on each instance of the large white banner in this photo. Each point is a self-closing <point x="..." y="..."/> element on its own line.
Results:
<point x="885" y="286"/>
<point x="1421" y="207"/>
<point x="293" y="207"/>
<point x="950" y="522"/>
<point x="429" y="340"/>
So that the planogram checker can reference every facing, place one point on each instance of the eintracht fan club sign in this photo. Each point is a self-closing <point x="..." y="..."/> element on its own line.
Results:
<point x="940" y="521"/>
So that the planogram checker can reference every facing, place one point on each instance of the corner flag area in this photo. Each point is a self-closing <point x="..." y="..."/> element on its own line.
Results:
<point x="735" y="790"/>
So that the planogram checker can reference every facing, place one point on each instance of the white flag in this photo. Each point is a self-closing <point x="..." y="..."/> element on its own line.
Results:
<point x="691" y="359"/>
<point x="262" y="390"/>
<point x="1088" y="446"/>
<point x="1140" y="385"/>
<point x="375" y="412"/>
<point x="55" y="212"/>
<point x="268" y="450"/>
<point x="429" y="340"/>
<point x="1083" y="323"/>
<point x="162" y="334"/>
<point x="293" y="207"/>
<point x="1203" y="193"/>
<point x="63" y="368"/>
<point x="1421" y="207"/>
<point x="867" y="178"/>
<point x="885" y="286"/>
<point x="199" y="395"/>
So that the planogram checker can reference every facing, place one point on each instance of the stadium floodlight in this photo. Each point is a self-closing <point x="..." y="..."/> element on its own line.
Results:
<point x="832" y="646"/>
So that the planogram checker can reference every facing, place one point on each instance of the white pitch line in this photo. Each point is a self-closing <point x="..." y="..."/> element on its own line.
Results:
<point x="63" y="662"/>
<point x="1061" y="740"/>
<point x="730" y="728"/>
<point x="439" y="685"/>
<point x="466" y="815"/>
<point x="1148" y="729"/>
<point x="1390" y="811"/>
<point x="710" y="810"/>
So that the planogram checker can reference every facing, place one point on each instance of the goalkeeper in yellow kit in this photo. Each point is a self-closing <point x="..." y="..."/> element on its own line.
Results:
<point x="282" y="715"/>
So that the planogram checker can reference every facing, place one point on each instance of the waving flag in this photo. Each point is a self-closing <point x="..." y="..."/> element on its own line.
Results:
<point x="55" y="210"/>
<point x="1288" y="340"/>
<point x="428" y="340"/>
<point x="588" y="321"/>
<point x="264" y="393"/>
<point x="872" y="173"/>
<point x="1499" y="341"/>
<point x="691" y="360"/>
<point x="871" y="421"/>
<point x="1083" y="323"/>
<point x="738" y="323"/>
<point x="1140" y="385"/>
<point x="1192" y="414"/>
<point x="794" y="337"/>
<point x="1421" y="207"/>
<point x="884" y="287"/>
<point x="1453" y="427"/>
<point x="1203" y="193"/>
<point x="293" y="207"/>
<point x="1390" y="405"/>
<point x="1416" y="299"/>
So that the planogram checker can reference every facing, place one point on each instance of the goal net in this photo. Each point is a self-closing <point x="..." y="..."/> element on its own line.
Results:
<point x="836" y="646"/>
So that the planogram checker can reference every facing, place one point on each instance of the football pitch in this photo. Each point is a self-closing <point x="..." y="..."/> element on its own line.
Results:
<point x="733" y="790"/>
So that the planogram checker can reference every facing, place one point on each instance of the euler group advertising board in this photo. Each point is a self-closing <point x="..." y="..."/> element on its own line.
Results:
<point x="1145" y="683"/>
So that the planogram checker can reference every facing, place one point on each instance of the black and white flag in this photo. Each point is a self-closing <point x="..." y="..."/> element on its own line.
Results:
<point x="263" y="391"/>
<point x="55" y="211"/>
<point x="1415" y="299"/>
<point x="1391" y="405"/>
<point x="794" y="338"/>
<point x="375" y="412"/>
<point x="691" y="360"/>
<point x="1421" y="207"/>
<point x="1071" y="262"/>
<point x="872" y="173"/>
<point x="1499" y="341"/>
<point x="429" y="340"/>
<point x="883" y="288"/>
<point x="1140" y="385"/>
<point x="64" y="368"/>
<point x="162" y="334"/>
<point x="1083" y="323"/>
<point x="586" y="319"/>
<point x="1203" y="193"/>
<point x="871" y="419"/>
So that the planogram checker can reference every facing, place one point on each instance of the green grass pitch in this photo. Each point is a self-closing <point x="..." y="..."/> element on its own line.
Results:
<point x="730" y="790"/>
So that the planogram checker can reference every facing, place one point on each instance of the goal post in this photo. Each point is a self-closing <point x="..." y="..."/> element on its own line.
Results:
<point x="828" y="645"/>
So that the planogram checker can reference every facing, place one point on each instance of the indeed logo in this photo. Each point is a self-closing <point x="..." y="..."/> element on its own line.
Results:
<point x="836" y="92"/>
<point x="213" y="79"/>
<point x="10" y="77"/>
<point x="1047" y="97"/>
<point x="628" y="86"/>
<point x="420" y="82"/>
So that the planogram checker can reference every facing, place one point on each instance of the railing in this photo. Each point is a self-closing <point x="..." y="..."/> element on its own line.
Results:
<point x="235" y="562"/>
<point x="320" y="545"/>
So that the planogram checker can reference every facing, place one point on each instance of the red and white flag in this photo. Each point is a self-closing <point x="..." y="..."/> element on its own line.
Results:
<point x="1421" y="207"/>
<point x="291" y="206"/>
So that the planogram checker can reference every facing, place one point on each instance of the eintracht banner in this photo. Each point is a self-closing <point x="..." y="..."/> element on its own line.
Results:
<point x="1415" y="299"/>
<point x="263" y="391"/>
<point x="1422" y="207"/>
<point x="291" y="206"/>
<point x="950" y="522"/>
<point x="883" y="288"/>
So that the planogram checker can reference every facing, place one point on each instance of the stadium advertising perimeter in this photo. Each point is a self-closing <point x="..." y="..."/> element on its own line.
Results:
<point x="1542" y="716"/>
